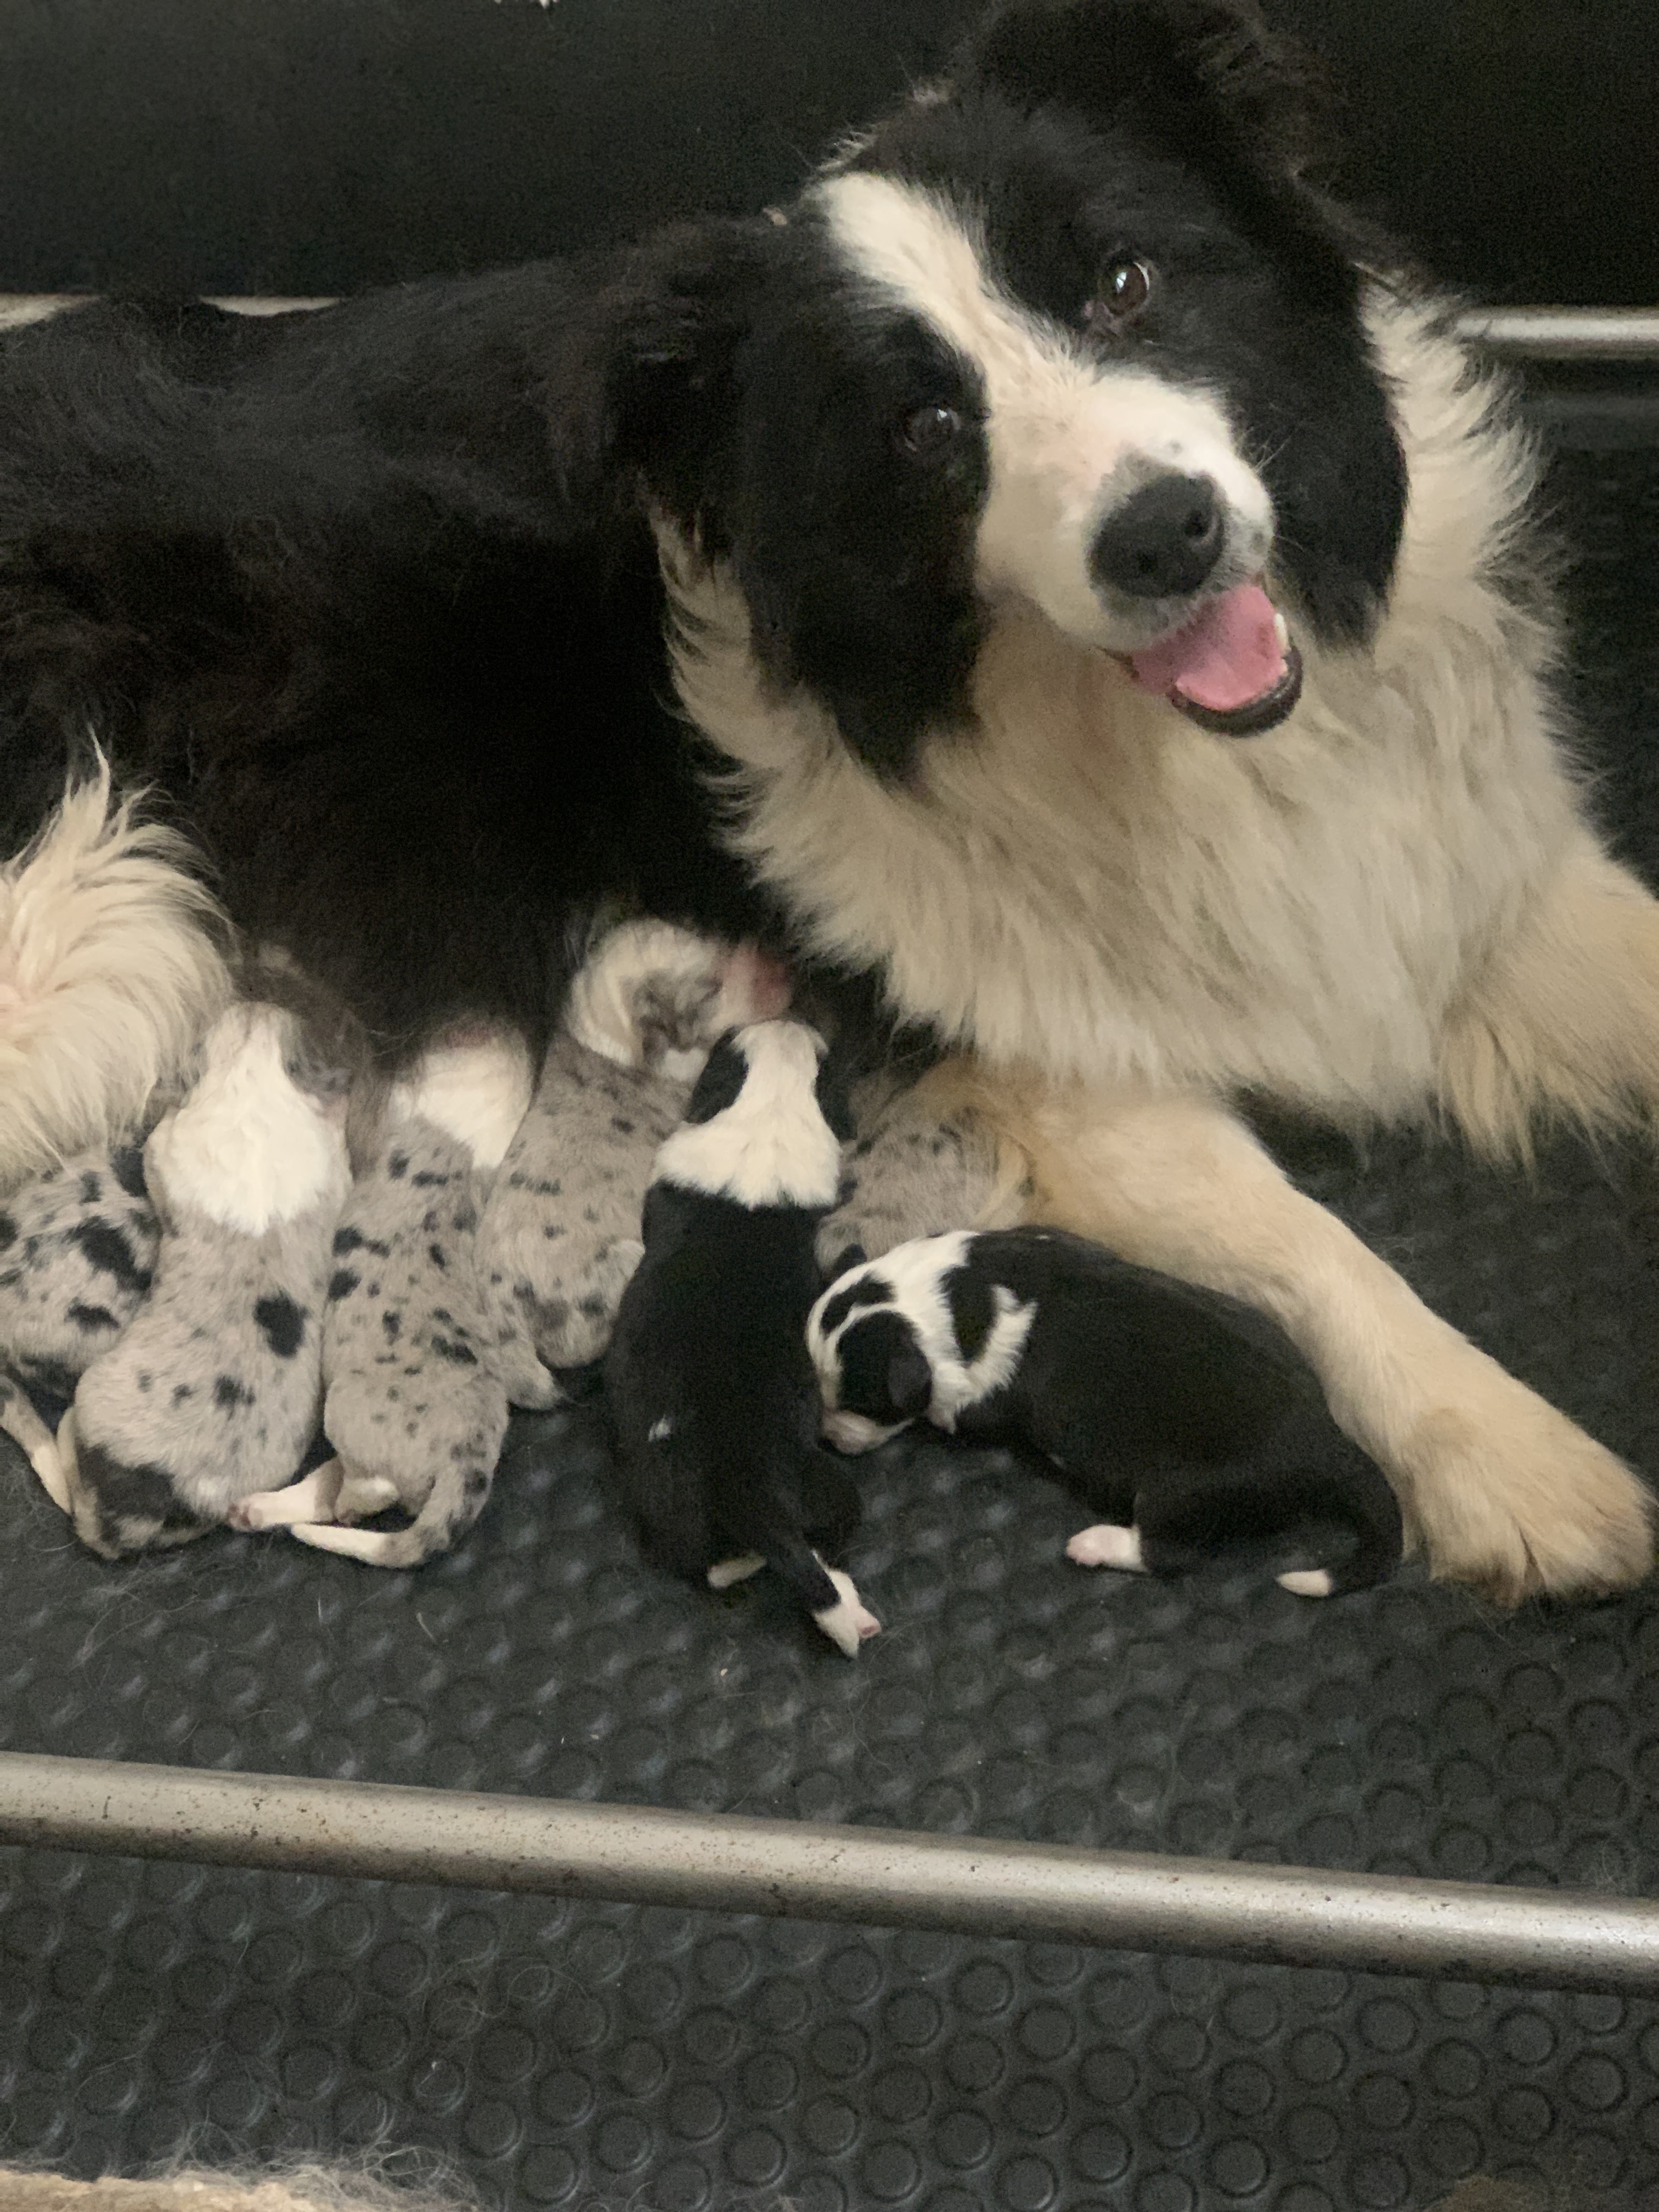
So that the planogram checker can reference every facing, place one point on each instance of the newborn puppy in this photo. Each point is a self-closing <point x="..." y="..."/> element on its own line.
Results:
<point x="416" y="1407"/>
<point x="1188" y="1423"/>
<point x="212" y="1392"/>
<point x="916" y="1169"/>
<point x="560" y="1236"/>
<point x="77" y="1247"/>
<point x="713" y="1399"/>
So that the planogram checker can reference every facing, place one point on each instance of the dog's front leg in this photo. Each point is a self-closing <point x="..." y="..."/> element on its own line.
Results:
<point x="1499" y="1489"/>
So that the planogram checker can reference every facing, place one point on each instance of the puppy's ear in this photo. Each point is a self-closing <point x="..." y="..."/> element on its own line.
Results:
<point x="909" y="1381"/>
<point x="834" y="1097"/>
<point x="853" y="1256"/>
<point x="721" y="1084"/>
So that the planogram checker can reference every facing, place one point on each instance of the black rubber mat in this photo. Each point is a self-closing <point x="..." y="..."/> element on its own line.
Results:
<point x="670" y="2061"/>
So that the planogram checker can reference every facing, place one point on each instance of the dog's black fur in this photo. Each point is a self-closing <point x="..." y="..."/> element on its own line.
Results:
<point x="369" y="595"/>
<point x="1164" y="1407"/>
<point x="713" y="1399"/>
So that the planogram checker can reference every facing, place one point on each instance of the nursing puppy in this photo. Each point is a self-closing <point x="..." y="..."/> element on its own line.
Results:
<point x="212" y="1391"/>
<point x="77" y="1246"/>
<point x="560" y="1234"/>
<point x="415" y="1405"/>
<point x="1189" y="1422"/>
<point x="713" y="1399"/>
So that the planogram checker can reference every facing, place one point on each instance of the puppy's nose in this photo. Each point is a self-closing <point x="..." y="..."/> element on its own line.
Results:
<point x="1164" y="542"/>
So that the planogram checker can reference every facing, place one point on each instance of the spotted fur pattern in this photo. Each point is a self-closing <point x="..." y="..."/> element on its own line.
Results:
<point x="212" y="1391"/>
<point x="415" y="1408"/>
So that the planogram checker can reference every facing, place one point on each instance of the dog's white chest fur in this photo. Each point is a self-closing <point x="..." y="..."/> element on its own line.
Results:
<point x="1087" y="883"/>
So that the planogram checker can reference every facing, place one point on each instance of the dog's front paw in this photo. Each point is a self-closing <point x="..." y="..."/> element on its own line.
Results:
<point x="1506" y="1494"/>
<point x="1107" y="1546"/>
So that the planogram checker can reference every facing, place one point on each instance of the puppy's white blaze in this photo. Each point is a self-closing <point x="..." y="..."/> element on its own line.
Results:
<point x="1312" y="1582"/>
<point x="1108" y="1546"/>
<point x="478" y="1093"/>
<point x="1069" y="439"/>
<point x="725" y="1572"/>
<point x="659" y="1430"/>
<point x="848" y="1622"/>
<point x="248" y="1148"/>
<point x="772" y="1146"/>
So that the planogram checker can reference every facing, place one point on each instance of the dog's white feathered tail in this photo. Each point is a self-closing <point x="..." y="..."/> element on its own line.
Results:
<point x="109" y="974"/>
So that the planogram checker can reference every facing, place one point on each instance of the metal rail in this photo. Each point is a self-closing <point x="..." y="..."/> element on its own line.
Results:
<point x="1132" y="1901"/>
<point x="1609" y="334"/>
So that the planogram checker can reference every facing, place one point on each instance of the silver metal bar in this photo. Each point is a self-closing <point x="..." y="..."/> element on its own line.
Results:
<point x="1290" y="1916"/>
<point x="1565" y="333"/>
<point x="1529" y="333"/>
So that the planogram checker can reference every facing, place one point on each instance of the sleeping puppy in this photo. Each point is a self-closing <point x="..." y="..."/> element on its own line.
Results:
<point x="560" y="1236"/>
<point x="416" y="1406"/>
<point x="1188" y="1423"/>
<point x="713" y="1399"/>
<point x="212" y="1392"/>
<point x="77" y="1247"/>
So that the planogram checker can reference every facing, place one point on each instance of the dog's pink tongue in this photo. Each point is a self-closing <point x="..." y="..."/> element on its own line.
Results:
<point x="1228" y="657"/>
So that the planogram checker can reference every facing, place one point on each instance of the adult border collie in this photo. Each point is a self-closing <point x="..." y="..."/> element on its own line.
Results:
<point x="1099" y="610"/>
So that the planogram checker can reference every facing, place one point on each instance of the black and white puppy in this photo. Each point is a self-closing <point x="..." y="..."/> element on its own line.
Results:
<point x="714" y="1401"/>
<point x="1189" y="1422"/>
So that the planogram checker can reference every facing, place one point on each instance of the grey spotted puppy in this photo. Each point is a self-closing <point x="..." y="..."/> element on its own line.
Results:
<point x="920" y="1167"/>
<point x="78" y="1248"/>
<point x="212" y="1392"/>
<point x="415" y="1406"/>
<point x="561" y="1234"/>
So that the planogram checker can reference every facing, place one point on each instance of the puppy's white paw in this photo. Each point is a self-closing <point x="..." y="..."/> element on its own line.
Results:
<point x="725" y="1572"/>
<point x="1108" y="1546"/>
<point x="312" y="1498"/>
<point x="1312" y="1582"/>
<point x="848" y="1622"/>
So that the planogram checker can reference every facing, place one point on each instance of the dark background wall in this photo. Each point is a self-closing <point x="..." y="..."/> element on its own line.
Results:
<point x="306" y="146"/>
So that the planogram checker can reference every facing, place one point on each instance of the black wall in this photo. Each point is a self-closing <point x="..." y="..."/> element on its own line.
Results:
<point x="306" y="146"/>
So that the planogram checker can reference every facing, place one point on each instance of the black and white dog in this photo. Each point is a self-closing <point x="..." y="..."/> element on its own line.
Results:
<point x="1057" y="570"/>
<point x="1192" y="1426"/>
<point x="714" y="1401"/>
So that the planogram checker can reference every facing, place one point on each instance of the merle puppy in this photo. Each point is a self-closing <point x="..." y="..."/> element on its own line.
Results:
<point x="77" y="1247"/>
<point x="1188" y="1422"/>
<point x="713" y="1399"/>
<point x="560" y="1234"/>
<point x="212" y="1391"/>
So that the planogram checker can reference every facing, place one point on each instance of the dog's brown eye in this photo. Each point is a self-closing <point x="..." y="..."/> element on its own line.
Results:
<point x="1126" y="287"/>
<point x="928" y="430"/>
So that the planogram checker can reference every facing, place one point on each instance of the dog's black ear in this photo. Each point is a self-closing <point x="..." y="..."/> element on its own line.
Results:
<point x="1183" y="66"/>
<point x="676" y="323"/>
<point x="721" y="1084"/>
<point x="909" y="1381"/>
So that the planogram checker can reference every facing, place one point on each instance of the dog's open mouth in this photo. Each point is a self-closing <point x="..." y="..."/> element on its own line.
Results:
<point x="1232" y="669"/>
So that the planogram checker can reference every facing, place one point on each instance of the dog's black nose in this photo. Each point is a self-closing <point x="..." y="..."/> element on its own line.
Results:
<point x="1164" y="542"/>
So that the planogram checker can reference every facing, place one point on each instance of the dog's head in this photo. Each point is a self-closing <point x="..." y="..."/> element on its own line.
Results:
<point x="874" y="1377"/>
<point x="1070" y="329"/>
